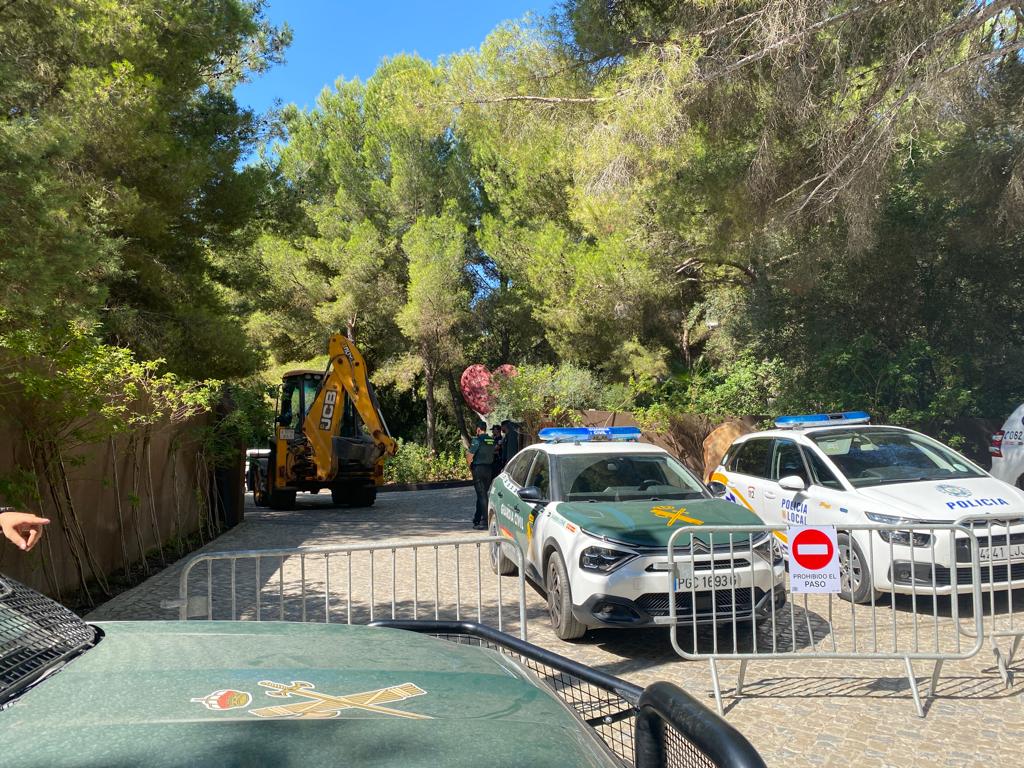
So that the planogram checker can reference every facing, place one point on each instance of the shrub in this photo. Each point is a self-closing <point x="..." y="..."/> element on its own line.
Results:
<point x="414" y="463"/>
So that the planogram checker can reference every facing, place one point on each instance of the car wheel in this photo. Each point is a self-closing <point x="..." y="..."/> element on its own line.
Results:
<point x="853" y="570"/>
<point x="560" y="600"/>
<point x="500" y="564"/>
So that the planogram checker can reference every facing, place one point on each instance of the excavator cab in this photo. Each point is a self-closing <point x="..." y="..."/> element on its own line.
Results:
<point x="328" y="433"/>
<point x="297" y="392"/>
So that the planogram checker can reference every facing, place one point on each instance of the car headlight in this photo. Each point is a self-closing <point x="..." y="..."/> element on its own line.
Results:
<point x="602" y="559"/>
<point x="764" y="547"/>
<point x="900" y="538"/>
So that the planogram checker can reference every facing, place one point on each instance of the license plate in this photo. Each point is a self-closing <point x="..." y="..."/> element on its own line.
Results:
<point x="1013" y="552"/>
<point x="705" y="582"/>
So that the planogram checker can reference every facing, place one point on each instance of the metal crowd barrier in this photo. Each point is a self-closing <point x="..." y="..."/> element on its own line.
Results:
<point x="410" y="579"/>
<point x="1001" y="559"/>
<point x="661" y="726"/>
<point x="891" y="627"/>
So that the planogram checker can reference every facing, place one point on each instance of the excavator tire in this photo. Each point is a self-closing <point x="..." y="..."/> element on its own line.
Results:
<point x="354" y="496"/>
<point x="281" y="499"/>
<point x="364" y="497"/>
<point x="276" y="499"/>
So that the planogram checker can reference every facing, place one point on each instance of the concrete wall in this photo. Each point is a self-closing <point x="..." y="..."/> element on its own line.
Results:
<point x="178" y="503"/>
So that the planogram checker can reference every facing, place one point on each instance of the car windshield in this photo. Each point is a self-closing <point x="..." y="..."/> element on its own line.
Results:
<point x="37" y="637"/>
<point x="622" y="477"/>
<point x="880" y="456"/>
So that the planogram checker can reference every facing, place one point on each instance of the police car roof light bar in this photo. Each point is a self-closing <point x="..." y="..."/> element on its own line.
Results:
<point x="823" y="419"/>
<point x="587" y="434"/>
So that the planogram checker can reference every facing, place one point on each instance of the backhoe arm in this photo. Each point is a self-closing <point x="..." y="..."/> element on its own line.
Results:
<point x="346" y="375"/>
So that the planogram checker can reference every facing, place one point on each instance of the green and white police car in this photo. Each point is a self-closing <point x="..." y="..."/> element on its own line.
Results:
<point x="839" y="469"/>
<point x="593" y="510"/>
<point x="164" y="694"/>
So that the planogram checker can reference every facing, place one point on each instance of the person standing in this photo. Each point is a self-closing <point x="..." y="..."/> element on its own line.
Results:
<point x="481" y="465"/>
<point x="499" y="456"/>
<point x="509" y="441"/>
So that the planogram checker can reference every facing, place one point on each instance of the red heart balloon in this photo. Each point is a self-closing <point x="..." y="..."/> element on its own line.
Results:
<point x="474" y="384"/>
<point x="477" y="385"/>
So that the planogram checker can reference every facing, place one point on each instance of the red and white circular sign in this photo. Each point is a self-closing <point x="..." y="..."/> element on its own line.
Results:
<point x="812" y="549"/>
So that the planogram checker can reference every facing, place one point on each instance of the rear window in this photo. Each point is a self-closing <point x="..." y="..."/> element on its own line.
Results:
<point x="751" y="458"/>
<point x="519" y="466"/>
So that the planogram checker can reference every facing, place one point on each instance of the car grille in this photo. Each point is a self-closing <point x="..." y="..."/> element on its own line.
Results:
<point x="723" y="565"/>
<point x="997" y="539"/>
<point x="995" y="574"/>
<point x="34" y="633"/>
<point x="656" y="603"/>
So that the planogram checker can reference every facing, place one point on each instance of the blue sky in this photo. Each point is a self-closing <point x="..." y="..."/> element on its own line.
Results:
<point x="348" y="38"/>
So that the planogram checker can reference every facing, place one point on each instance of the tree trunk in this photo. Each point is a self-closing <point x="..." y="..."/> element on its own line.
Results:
<point x="178" y="523"/>
<point x="55" y="582"/>
<point x="147" y="444"/>
<point x="428" y="383"/>
<point x="76" y="524"/>
<point x="120" y="512"/>
<point x="136" y="503"/>
<point x="458" y="407"/>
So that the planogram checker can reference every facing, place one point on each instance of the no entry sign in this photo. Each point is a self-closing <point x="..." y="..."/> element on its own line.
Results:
<point x="813" y="560"/>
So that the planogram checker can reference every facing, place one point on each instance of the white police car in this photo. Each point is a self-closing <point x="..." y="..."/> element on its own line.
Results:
<point x="594" y="510"/>
<point x="838" y="469"/>
<point x="1007" y="450"/>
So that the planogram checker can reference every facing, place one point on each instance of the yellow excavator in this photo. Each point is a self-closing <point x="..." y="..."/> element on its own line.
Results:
<point x="328" y="433"/>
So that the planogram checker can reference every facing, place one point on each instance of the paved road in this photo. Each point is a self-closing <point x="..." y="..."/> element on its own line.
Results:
<point x="797" y="713"/>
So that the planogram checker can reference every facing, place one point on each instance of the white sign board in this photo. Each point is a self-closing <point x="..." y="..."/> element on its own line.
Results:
<point x="813" y="560"/>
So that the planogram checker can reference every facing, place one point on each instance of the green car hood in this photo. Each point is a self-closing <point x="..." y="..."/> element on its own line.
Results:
<point x="153" y="694"/>
<point x="652" y="523"/>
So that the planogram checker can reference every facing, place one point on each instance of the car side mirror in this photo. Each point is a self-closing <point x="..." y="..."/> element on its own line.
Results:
<point x="530" y="494"/>
<point x="792" y="483"/>
<point x="718" y="490"/>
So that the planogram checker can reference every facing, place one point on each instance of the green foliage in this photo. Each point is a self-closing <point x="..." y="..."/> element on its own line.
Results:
<point x="546" y="391"/>
<point x="745" y="386"/>
<point x="415" y="463"/>
<point x="71" y="388"/>
<point x="245" y="419"/>
<point x="642" y="205"/>
<point x="120" y="186"/>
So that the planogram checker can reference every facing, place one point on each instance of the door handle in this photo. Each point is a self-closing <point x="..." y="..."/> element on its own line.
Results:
<point x="769" y="495"/>
<point x="501" y="495"/>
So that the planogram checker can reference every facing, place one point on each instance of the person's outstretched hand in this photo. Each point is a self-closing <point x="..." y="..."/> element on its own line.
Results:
<point x="22" y="528"/>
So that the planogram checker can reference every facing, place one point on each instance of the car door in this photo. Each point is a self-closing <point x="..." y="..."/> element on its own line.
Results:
<point x="746" y="474"/>
<point x="787" y="460"/>
<point x="509" y="507"/>
<point x="535" y="515"/>
<point x="827" y="499"/>
<point x="822" y="500"/>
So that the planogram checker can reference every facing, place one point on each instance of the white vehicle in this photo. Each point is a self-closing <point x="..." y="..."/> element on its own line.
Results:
<point x="594" y="518"/>
<point x="1007" y="450"/>
<point x="837" y="469"/>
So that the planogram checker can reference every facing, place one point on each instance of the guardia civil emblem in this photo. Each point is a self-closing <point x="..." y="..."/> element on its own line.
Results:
<point x="674" y="515"/>
<point x="311" y="704"/>
<point x="224" y="699"/>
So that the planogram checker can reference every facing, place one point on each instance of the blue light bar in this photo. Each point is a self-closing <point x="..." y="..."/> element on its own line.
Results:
<point x="587" y="434"/>
<point x="822" y="419"/>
